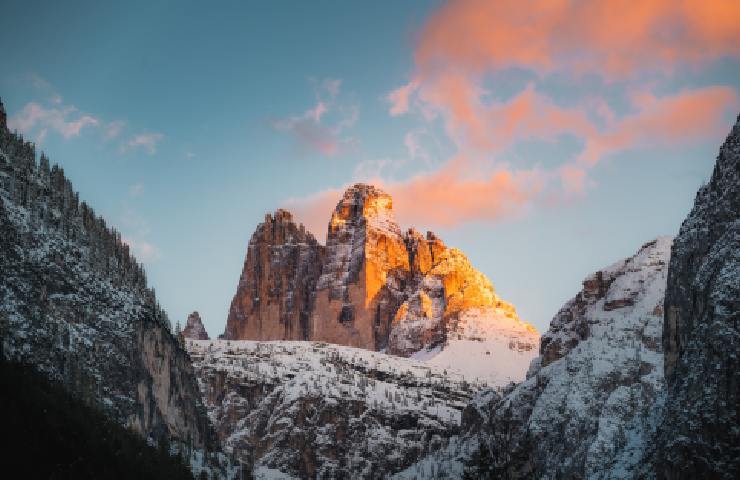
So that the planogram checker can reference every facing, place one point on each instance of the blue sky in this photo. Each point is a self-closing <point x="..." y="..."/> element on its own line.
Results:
<point x="183" y="123"/>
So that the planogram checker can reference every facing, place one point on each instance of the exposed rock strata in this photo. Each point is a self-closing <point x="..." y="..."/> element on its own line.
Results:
<point x="374" y="287"/>
<point x="276" y="290"/>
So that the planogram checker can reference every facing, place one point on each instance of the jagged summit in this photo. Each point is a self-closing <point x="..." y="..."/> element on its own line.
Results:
<point x="377" y="287"/>
<point x="363" y="205"/>
<point x="194" y="328"/>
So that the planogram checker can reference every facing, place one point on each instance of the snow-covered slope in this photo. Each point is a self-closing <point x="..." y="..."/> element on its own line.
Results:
<point x="586" y="409"/>
<point x="482" y="338"/>
<point x="317" y="410"/>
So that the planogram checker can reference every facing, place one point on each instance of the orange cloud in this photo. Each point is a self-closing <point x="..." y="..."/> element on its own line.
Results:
<point x="608" y="37"/>
<point x="440" y="199"/>
<point x="686" y="117"/>
<point x="629" y="45"/>
<point x="447" y="197"/>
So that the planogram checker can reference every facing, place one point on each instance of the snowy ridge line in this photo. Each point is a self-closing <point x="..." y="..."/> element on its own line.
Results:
<point x="353" y="411"/>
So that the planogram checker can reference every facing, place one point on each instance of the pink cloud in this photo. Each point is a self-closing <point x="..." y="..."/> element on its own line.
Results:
<point x="311" y="132"/>
<point x="146" y="141"/>
<point x="65" y="120"/>
<point x="632" y="45"/>
<point x="615" y="38"/>
<point x="431" y="200"/>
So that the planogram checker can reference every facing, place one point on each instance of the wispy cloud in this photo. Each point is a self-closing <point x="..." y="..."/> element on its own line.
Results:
<point x="467" y="43"/>
<point x="313" y="131"/>
<point x="146" y="141"/>
<point x="113" y="129"/>
<point x="37" y="118"/>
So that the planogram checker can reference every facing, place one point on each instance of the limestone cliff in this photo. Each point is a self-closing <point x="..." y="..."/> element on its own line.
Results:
<point x="376" y="287"/>
<point x="362" y="280"/>
<point x="276" y="290"/>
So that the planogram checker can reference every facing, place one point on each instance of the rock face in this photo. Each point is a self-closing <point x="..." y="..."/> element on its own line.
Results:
<point x="700" y="436"/>
<point x="194" y="328"/>
<point x="362" y="280"/>
<point x="74" y="303"/>
<point x="276" y="290"/>
<point x="586" y="409"/>
<point x="376" y="287"/>
<point x="316" y="410"/>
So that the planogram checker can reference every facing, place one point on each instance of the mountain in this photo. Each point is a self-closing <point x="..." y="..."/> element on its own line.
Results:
<point x="318" y="410"/>
<point x="637" y="376"/>
<point x="376" y="287"/>
<point x="586" y="407"/>
<point x="700" y="435"/>
<point x="194" y="328"/>
<point x="75" y="305"/>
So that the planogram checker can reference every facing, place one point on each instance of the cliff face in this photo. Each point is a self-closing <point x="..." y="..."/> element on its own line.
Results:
<point x="194" y="328"/>
<point x="699" y="437"/>
<point x="376" y="287"/>
<point x="74" y="303"/>
<point x="362" y="280"/>
<point x="276" y="290"/>
<point x="587" y="407"/>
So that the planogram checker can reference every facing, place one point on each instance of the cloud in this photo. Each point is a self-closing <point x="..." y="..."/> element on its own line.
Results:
<point x="312" y="132"/>
<point x="113" y="129"/>
<point x="679" y="119"/>
<point x="467" y="47"/>
<point x="439" y="199"/>
<point x="65" y="120"/>
<point x="146" y="141"/>
<point x="613" y="38"/>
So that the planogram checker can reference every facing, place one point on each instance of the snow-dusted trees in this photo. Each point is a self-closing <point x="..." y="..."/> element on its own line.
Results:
<point x="50" y="198"/>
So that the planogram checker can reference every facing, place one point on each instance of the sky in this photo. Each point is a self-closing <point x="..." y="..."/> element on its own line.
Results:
<point x="545" y="139"/>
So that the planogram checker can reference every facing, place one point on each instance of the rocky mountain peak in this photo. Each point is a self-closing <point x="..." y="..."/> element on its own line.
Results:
<point x="194" y="328"/>
<point x="363" y="206"/>
<point x="275" y="292"/>
<point x="376" y="287"/>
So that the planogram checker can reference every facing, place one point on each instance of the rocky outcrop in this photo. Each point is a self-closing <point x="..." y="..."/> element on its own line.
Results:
<point x="362" y="280"/>
<point x="276" y="291"/>
<point x="700" y="436"/>
<point x="194" y="328"/>
<point x="74" y="304"/>
<point x="316" y="410"/>
<point x="586" y="409"/>
<point x="376" y="287"/>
